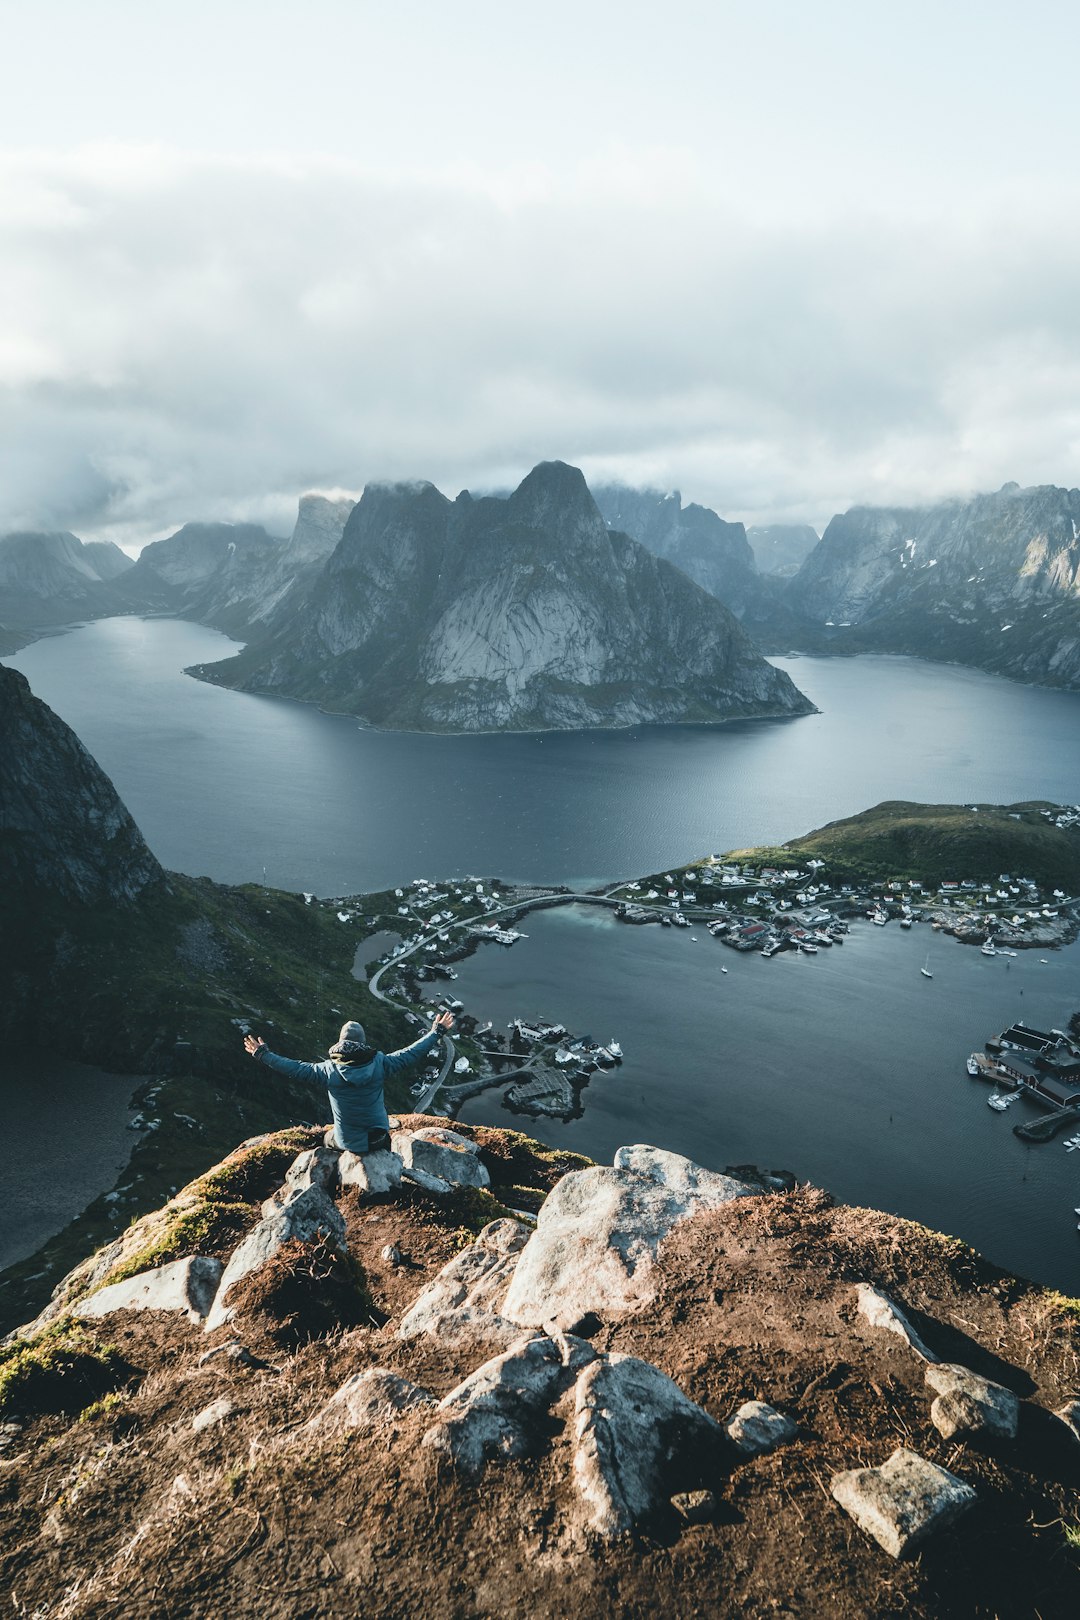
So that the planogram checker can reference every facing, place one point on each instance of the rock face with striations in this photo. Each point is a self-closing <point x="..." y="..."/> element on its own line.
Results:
<point x="994" y="581"/>
<point x="63" y="829"/>
<point x="517" y="614"/>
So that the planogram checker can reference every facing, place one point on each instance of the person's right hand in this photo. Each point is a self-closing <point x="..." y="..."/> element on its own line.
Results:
<point x="252" y="1043"/>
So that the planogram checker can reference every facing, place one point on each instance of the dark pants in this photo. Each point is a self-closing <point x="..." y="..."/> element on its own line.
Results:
<point x="377" y="1141"/>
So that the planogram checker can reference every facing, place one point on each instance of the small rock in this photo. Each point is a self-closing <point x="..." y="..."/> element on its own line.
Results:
<point x="373" y="1174"/>
<point x="903" y="1502"/>
<point x="218" y="1412"/>
<point x="696" y="1507"/>
<point x="968" y="1404"/>
<point x="1070" y="1416"/>
<point x="495" y="1413"/>
<point x="882" y="1312"/>
<point x="371" y="1400"/>
<point x="9" y="1434"/>
<point x="756" y="1429"/>
<point x="391" y="1254"/>
<point x="233" y="1350"/>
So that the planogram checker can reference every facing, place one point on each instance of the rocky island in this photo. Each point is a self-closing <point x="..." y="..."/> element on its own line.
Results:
<point x="519" y="614"/>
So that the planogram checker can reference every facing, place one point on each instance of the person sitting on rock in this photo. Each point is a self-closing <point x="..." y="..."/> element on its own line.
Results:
<point x="354" y="1078"/>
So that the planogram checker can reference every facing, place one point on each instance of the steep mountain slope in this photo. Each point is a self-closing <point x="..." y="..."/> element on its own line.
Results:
<point x="53" y="578"/>
<point x="706" y="547"/>
<point x="211" y="572"/>
<point x="994" y="581"/>
<point x="781" y="548"/>
<point x="525" y="613"/>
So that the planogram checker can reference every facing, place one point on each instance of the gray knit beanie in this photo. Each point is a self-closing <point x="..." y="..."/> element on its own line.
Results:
<point x="352" y="1039"/>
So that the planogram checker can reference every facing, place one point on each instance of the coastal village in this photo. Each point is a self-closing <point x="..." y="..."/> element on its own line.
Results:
<point x="751" y="903"/>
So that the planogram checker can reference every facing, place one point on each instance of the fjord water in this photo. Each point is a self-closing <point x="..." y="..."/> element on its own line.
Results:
<point x="846" y="1068"/>
<point x="234" y="786"/>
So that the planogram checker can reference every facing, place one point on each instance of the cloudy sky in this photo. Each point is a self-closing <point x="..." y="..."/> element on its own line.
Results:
<point x="782" y="256"/>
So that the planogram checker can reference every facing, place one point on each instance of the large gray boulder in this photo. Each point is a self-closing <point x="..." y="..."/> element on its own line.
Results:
<point x="968" y="1404"/>
<point x="598" y="1233"/>
<point x="308" y="1216"/>
<point x="463" y="1301"/>
<point x="903" y="1502"/>
<point x="442" y="1153"/>
<point x="632" y="1426"/>
<point x="187" y="1285"/>
<point x="495" y="1413"/>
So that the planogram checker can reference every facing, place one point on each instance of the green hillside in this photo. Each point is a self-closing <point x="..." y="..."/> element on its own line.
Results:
<point x="934" y="843"/>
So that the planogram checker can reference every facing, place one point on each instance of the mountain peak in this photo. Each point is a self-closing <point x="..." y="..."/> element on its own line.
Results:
<point x="554" y="496"/>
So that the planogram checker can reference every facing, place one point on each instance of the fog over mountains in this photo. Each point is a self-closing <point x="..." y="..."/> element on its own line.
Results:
<point x="557" y="606"/>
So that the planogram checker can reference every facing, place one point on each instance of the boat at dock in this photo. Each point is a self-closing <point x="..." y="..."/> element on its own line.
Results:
<point x="616" y="1050"/>
<point x="998" y="1104"/>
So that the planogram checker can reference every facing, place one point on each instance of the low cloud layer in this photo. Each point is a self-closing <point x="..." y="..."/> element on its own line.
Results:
<point x="194" y="338"/>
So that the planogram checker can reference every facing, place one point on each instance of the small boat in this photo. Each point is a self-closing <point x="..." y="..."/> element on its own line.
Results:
<point x="723" y="970"/>
<point x="905" y="922"/>
<point x="989" y="949"/>
<point x="811" y="950"/>
<point x="925" y="969"/>
<point x="974" y="1067"/>
<point x="998" y="1104"/>
<point x="615" y="1049"/>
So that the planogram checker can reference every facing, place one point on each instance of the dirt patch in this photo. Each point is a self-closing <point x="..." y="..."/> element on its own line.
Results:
<point x="305" y="1291"/>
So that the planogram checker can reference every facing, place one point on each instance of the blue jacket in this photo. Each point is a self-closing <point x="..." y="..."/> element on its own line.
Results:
<point x="355" y="1089"/>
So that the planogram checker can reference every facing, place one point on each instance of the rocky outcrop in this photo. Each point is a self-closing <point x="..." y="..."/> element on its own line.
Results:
<point x="517" y="614"/>
<point x="994" y="581"/>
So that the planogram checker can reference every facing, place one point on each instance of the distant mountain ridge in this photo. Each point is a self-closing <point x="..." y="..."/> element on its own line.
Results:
<point x="708" y="549"/>
<point x="781" y="548"/>
<point x="48" y="579"/>
<point x="523" y="613"/>
<point x="993" y="581"/>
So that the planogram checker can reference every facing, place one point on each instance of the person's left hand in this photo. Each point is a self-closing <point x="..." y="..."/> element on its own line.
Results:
<point x="444" y="1021"/>
<point x="252" y="1043"/>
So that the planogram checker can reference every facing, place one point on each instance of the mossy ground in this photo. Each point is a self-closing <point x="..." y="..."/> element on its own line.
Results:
<point x="60" y="1370"/>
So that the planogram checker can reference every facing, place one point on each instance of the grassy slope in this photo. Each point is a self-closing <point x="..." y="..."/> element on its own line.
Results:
<point x="938" y="842"/>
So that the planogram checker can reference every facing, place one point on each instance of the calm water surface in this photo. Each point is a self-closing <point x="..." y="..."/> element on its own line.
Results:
<point x="227" y="784"/>
<point x="846" y="1067"/>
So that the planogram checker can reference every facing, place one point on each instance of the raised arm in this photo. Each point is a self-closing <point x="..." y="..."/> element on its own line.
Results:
<point x="408" y="1055"/>
<point x="258" y="1049"/>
